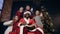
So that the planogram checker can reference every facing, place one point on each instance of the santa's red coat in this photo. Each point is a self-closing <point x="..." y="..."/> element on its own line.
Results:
<point x="17" y="29"/>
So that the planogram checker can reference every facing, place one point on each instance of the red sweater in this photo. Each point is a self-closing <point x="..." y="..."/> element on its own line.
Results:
<point x="19" y="14"/>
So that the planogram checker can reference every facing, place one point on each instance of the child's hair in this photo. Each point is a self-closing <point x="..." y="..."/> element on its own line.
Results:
<point x="21" y="6"/>
<point x="28" y="5"/>
<point x="37" y="10"/>
<point x="13" y="17"/>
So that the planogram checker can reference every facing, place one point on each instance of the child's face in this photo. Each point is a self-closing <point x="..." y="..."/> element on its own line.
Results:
<point x="27" y="7"/>
<point x="37" y="12"/>
<point x="15" y="18"/>
<point x="21" y="9"/>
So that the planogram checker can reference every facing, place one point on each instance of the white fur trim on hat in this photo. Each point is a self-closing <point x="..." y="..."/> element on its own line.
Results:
<point x="27" y="12"/>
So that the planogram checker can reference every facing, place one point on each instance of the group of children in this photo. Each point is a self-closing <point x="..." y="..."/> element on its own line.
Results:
<point x="24" y="21"/>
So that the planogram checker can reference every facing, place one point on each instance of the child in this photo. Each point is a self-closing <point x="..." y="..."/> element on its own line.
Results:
<point x="38" y="18"/>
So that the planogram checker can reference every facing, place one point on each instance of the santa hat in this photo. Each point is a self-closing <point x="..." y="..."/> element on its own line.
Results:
<point x="27" y="12"/>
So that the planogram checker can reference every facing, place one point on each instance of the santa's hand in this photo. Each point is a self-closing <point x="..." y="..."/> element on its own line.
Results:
<point x="31" y="25"/>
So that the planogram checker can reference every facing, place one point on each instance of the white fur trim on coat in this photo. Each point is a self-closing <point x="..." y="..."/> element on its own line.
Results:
<point x="27" y="12"/>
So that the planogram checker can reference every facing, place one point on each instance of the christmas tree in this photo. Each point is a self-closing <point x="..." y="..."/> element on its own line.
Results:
<point x="48" y="22"/>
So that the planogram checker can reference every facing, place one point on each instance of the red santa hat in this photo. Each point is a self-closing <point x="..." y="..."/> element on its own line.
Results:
<point x="27" y="12"/>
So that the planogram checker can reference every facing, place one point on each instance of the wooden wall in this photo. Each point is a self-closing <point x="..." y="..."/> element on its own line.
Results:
<point x="6" y="12"/>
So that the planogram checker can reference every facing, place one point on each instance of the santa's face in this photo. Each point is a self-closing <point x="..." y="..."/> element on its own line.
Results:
<point x="27" y="15"/>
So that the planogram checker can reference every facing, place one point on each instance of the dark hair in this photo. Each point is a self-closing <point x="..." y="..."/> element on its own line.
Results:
<point x="28" y="5"/>
<point x="38" y="10"/>
<point x="21" y="7"/>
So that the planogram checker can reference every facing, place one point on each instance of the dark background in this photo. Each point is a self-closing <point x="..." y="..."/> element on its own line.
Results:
<point x="53" y="7"/>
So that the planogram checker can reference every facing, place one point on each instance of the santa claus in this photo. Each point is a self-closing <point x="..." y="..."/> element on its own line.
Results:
<point x="29" y="24"/>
